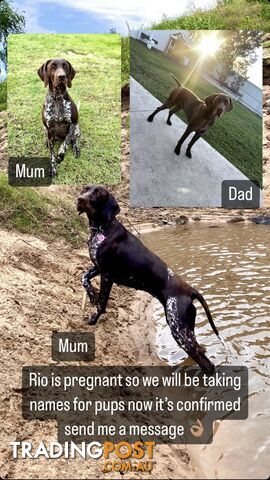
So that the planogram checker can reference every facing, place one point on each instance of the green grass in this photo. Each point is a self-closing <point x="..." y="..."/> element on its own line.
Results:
<point x="97" y="61"/>
<point x="3" y="96"/>
<point x="29" y="211"/>
<point x="228" y="15"/>
<point x="125" y="60"/>
<point x="237" y="135"/>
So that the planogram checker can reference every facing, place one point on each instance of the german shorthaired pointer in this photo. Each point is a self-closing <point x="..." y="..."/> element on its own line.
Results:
<point x="59" y="113"/>
<point x="201" y="114"/>
<point x="119" y="257"/>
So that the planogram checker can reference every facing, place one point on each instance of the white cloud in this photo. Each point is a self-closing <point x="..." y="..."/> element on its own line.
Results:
<point x="116" y="12"/>
<point x="31" y="10"/>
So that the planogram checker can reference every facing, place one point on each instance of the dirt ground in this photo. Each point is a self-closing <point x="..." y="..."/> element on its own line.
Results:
<point x="40" y="293"/>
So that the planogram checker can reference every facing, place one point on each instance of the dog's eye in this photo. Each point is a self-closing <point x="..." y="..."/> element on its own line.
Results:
<point x="53" y="66"/>
<point x="85" y="189"/>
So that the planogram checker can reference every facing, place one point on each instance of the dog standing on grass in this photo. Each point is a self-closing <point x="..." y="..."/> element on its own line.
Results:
<point x="201" y="114"/>
<point x="119" y="257"/>
<point x="59" y="114"/>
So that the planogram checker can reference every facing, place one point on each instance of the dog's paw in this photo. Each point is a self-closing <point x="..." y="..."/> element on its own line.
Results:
<point x="150" y="118"/>
<point x="177" y="150"/>
<point x="93" y="297"/>
<point x="93" y="319"/>
<point x="60" y="157"/>
<point x="53" y="171"/>
<point x="188" y="154"/>
<point x="76" y="151"/>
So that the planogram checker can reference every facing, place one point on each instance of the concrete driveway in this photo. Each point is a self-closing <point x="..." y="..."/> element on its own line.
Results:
<point x="159" y="178"/>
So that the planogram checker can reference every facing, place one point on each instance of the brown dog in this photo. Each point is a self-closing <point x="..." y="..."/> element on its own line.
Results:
<point x="59" y="113"/>
<point x="200" y="114"/>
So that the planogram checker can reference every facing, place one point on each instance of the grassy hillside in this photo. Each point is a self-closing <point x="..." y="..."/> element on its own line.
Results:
<point x="97" y="61"/>
<point x="237" y="135"/>
<point x="228" y="15"/>
<point x="29" y="211"/>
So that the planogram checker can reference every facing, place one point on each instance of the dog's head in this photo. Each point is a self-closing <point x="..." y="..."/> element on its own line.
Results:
<point x="218" y="104"/>
<point x="57" y="73"/>
<point x="99" y="205"/>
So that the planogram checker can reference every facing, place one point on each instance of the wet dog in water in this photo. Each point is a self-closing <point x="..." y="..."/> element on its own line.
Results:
<point x="119" y="257"/>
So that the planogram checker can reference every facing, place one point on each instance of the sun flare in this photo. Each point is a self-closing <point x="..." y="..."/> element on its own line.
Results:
<point x="210" y="44"/>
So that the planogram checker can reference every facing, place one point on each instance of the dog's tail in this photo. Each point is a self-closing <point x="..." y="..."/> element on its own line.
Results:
<point x="202" y="301"/>
<point x="176" y="79"/>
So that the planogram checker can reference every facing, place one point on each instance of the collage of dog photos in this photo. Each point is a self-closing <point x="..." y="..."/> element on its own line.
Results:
<point x="134" y="240"/>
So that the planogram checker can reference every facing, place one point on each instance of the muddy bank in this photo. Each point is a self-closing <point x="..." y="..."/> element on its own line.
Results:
<point x="40" y="293"/>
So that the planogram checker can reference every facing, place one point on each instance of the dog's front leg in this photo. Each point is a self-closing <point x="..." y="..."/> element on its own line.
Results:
<point x="50" y="142"/>
<point x="75" y="142"/>
<point x="106" y="284"/>
<point x="91" y="292"/>
<point x="192" y="141"/>
<point x="177" y="149"/>
<point x="64" y="146"/>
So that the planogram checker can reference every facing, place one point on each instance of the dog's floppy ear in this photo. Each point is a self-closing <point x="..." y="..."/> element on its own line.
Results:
<point x="71" y="75"/>
<point x="43" y="73"/>
<point x="211" y="100"/>
<point x="110" y="209"/>
<point x="230" y="106"/>
<point x="105" y="204"/>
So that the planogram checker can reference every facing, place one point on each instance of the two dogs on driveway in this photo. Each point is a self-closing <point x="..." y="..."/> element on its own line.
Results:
<point x="201" y="114"/>
<point x="119" y="257"/>
<point x="59" y="113"/>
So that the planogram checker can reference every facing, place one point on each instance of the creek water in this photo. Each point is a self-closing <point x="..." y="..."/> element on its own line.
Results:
<point x="230" y="266"/>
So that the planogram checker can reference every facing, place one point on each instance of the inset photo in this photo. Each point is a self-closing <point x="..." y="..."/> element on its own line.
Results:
<point x="196" y="115"/>
<point x="64" y="104"/>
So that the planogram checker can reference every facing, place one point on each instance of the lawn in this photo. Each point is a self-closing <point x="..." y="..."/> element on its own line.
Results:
<point x="3" y="95"/>
<point x="97" y="84"/>
<point x="237" y="135"/>
<point x="30" y="211"/>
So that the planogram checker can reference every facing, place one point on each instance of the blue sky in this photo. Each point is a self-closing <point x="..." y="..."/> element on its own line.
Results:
<point x="97" y="16"/>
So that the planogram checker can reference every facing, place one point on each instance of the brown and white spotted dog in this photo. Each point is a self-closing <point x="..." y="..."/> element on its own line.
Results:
<point x="59" y="114"/>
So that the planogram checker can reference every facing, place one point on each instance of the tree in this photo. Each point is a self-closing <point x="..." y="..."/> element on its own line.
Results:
<point x="238" y="52"/>
<point x="11" y="21"/>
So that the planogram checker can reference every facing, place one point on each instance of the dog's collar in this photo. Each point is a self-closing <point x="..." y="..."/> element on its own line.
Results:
<point x="96" y="230"/>
<point x="56" y="96"/>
